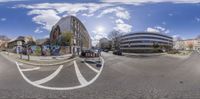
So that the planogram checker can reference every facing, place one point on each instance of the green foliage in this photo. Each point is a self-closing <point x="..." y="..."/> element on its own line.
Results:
<point x="37" y="51"/>
<point x="173" y="52"/>
<point x="66" y="39"/>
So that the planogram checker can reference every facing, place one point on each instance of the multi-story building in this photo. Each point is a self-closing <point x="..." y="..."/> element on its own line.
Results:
<point x="188" y="44"/>
<point x="17" y="44"/>
<point x="70" y="25"/>
<point x="3" y="44"/>
<point x="145" y="42"/>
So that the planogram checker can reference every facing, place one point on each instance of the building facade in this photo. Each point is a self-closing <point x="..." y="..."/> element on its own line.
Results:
<point x="145" y="42"/>
<point x="17" y="44"/>
<point x="3" y="44"/>
<point x="77" y="35"/>
<point x="189" y="44"/>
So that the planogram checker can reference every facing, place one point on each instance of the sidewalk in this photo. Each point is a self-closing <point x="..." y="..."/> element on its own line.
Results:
<point x="39" y="60"/>
<point x="143" y="54"/>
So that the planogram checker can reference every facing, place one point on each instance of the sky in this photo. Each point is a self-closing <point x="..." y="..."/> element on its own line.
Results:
<point x="176" y="18"/>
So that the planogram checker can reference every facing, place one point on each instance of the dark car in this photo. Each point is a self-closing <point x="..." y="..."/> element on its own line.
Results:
<point x="117" y="52"/>
<point x="106" y="50"/>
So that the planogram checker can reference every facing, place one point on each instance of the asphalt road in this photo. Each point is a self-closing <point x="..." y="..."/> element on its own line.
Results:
<point x="122" y="77"/>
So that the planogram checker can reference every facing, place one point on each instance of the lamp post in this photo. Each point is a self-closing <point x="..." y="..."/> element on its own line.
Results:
<point x="19" y="50"/>
<point x="28" y="51"/>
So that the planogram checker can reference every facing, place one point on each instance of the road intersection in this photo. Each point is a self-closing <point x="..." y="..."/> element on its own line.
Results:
<point x="120" y="77"/>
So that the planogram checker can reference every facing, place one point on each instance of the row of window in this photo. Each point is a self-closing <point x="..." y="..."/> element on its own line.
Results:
<point x="145" y="41"/>
<point x="146" y="37"/>
<point x="147" y="34"/>
<point x="126" y="46"/>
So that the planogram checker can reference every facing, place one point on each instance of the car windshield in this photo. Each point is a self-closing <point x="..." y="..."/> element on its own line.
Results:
<point x="99" y="49"/>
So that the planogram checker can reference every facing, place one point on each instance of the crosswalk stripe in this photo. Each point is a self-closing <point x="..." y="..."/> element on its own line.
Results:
<point x="50" y="77"/>
<point x="91" y="67"/>
<point x="79" y="75"/>
<point x="30" y="69"/>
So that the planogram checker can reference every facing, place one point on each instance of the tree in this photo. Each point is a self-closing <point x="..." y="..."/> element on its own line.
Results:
<point x="114" y="36"/>
<point x="66" y="39"/>
<point x="190" y="46"/>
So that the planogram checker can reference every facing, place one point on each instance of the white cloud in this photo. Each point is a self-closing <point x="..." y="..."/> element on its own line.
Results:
<point x="46" y="18"/>
<point x="47" y="14"/>
<point x="87" y="15"/>
<point x="3" y="19"/>
<point x="96" y="36"/>
<point x="119" y="12"/>
<point x="69" y="8"/>
<point x="177" y="37"/>
<point x="197" y="19"/>
<point x="158" y="29"/>
<point x="122" y="27"/>
<point x="170" y="14"/>
<point x="150" y="1"/>
<point x="11" y="0"/>
<point x="149" y="29"/>
<point x="37" y="30"/>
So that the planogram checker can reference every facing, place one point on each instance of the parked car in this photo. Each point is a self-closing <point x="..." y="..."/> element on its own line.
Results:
<point x="117" y="52"/>
<point x="91" y="53"/>
<point x="106" y="50"/>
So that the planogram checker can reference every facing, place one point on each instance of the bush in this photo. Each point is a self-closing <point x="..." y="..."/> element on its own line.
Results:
<point x="173" y="52"/>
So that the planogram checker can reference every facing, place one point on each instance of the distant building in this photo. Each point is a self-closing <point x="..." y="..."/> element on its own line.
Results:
<point x="80" y="38"/>
<point x="188" y="44"/>
<point x="18" y="43"/>
<point x="3" y="42"/>
<point x="145" y="42"/>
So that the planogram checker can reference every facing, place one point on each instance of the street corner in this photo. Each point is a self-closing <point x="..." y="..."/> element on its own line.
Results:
<point x="75" y="74"/>
<point x="45" y="63"/>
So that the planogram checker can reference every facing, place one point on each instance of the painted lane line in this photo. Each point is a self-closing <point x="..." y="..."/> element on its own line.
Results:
<point x="61" y="88"/>
<point x="95" y="70"/>
<point x="20" y="63"/>
<point x="30" y="69"/>
<point x="50" y="77"/>
<point x="80" y="77"/>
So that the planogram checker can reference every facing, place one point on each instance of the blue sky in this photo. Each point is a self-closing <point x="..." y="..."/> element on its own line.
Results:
<point x="36" y="17"/>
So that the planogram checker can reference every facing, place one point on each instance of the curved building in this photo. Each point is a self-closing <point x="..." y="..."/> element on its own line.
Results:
<point x="73" y="27"/>
<point x="145" y="42"/>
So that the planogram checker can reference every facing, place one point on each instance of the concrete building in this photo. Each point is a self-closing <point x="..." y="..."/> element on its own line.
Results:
<point x="3" y="44"/>
<point x="70" y="25"/>
<point x="188" y="44"/>
<point x="145" y="42"/>
<point x="18" y="43"/>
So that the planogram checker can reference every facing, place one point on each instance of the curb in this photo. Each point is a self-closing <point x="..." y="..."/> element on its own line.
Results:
<point x="129" y="54"/>
<point x="35" y="64"/>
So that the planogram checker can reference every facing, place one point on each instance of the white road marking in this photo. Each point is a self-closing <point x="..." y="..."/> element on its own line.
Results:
<point x="61" y="88"/>
<point x="80" y="77"/>
<point x="95" y="70"/>
<point x="30" y="69"/>
<point x="20" y="63"/>
<point x="50" y="77"/>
